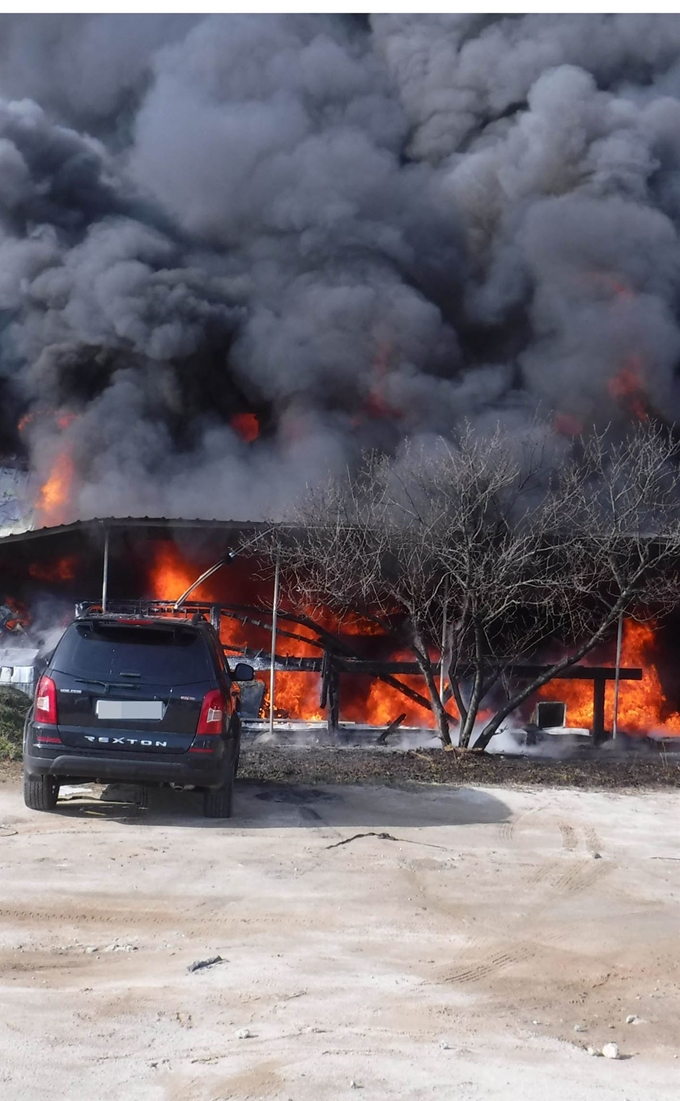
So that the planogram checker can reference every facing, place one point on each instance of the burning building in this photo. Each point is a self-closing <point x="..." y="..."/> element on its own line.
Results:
<point x="325" y="671"/>
<point x="239" y="251"/>
<point x="147" y="561"/>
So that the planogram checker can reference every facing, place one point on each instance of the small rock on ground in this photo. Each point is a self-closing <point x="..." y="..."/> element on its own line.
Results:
<point x="199" y="965"/>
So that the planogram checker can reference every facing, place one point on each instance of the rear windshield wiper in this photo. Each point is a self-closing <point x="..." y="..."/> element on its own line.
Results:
<point x="106" y="684"/>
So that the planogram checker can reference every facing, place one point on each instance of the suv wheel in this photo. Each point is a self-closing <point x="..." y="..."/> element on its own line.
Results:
<point x="40" y="792"/>
<point x="218" y="803"/>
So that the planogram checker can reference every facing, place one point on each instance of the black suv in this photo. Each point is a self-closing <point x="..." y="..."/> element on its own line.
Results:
<point x="147" y="701"/>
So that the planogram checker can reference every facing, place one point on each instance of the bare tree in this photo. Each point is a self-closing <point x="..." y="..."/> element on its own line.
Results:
<point x="351" y="548"/>
<point x="499" y="543"/>
<point x="617" y="548"/>
<point x="492" y="510"/>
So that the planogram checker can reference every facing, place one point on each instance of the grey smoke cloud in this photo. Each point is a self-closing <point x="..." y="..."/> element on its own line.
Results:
<point x="458" y="74"/>
<point x="361" y="231"/>
<point x="88" y="68"/>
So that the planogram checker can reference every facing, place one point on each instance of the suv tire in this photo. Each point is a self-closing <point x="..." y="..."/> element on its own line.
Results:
<point x="41" y="792"/>
<point x="218" y="803"/>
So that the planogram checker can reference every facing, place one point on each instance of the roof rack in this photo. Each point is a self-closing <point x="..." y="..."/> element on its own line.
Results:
<point x="152" y="609"/>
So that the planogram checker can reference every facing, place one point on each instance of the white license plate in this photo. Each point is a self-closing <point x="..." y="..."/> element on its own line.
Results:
<point x="142" y="710"/>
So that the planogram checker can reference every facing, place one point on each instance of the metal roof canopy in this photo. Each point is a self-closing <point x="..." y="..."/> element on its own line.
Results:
<point x="99" y="525"/>
<point x="95" y="540"/>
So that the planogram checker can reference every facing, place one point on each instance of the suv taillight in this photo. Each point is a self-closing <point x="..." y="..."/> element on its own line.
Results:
<point x="213" y="713"/>
<point x="45" y="710"/>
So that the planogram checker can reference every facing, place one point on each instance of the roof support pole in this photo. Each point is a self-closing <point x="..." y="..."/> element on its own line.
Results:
<point x="617" y="678"/>
<point x="272" y="673"/>
<point x="105" y="571"/>
<point x="598" y="710"/>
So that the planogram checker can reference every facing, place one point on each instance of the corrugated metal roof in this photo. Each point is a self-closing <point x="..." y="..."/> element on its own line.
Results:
<point x="101" y="524"/>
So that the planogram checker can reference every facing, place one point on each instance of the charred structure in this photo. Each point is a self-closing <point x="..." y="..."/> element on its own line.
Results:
<point x="325" y="671"/>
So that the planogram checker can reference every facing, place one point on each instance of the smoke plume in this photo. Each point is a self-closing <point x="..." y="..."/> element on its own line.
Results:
<point x="354" y="230"/>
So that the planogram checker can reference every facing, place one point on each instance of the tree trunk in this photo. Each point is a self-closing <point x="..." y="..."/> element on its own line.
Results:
<point x="438" y="710"/>
<point x="454" y="689"/>
<point x="477" y="694"/>
<point x="457" y="696"/>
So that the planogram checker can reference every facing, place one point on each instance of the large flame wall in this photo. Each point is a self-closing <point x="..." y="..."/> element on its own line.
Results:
<point x="44" y="584"/>
<point x="296" y="694"/>
<point x="643" y="707"/>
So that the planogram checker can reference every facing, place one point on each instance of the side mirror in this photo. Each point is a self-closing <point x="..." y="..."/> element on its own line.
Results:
<point x="243" y="672"/>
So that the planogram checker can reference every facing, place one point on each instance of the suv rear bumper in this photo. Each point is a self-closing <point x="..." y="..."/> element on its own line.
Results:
<point x="200" y="770"/>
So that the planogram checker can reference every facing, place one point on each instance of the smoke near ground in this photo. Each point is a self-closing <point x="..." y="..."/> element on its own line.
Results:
<point x="358" y="229"/>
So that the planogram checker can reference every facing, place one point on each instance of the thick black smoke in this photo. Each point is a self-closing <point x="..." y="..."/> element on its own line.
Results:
<point x="360" y="231"/>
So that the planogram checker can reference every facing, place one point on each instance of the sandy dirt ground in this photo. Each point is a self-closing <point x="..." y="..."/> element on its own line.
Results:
<point x="448" y="949"/>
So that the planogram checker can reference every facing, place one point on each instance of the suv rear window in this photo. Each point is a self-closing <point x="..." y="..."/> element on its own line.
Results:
<point x="149" y="655"/>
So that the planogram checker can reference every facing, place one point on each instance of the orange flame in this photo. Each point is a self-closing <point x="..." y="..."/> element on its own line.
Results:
<point x="246" y="425"/>
<point x="378" y="704"/>
<point x="64" y="569"/>
<point x="171" y="575"/>
<point x="55" y="493"/>
<point x="628" y="390"/>
<point x="296" y="694"/>
<point x="643" y="708"/>
<point x="376" y="403"/>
